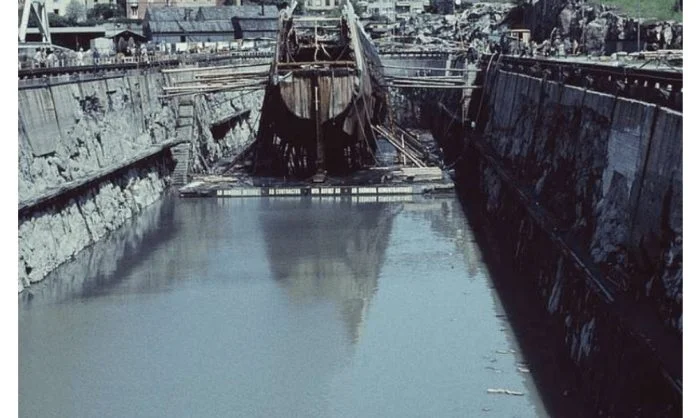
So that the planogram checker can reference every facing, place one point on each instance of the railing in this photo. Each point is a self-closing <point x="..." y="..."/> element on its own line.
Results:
<point x="662" y="87"/>
<point x="30" y="69"/>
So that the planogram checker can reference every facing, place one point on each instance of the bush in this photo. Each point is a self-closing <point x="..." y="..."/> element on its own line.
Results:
<point x="105" y="11"/>
<point x="56" y="21"/>
<point x="75" y="11"/>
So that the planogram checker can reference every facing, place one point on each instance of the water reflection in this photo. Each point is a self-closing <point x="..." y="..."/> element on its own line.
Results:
<point x="444" y="216"/>
<point x="259" y="307"/>
<point x="105" y="266"/>
<point x="332" y="252"/>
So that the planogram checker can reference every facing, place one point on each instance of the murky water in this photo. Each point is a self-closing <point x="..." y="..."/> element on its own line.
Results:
<point x="274" y="308"/>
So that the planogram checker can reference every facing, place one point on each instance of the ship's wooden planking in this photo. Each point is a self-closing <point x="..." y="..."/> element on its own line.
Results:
<point x="323" y="93"/>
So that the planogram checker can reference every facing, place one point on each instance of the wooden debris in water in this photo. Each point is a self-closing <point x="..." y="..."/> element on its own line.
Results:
<point x="505" y="392"/>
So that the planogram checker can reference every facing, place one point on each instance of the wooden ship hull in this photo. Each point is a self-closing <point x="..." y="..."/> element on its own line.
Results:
<point x="325" y="90"/>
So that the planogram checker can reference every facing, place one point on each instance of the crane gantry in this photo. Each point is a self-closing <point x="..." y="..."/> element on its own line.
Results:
<point x="38" y="8"/>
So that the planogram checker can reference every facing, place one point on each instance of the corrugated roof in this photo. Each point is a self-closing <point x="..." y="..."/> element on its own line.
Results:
<point x="257" y="24"/>
<point x="168" y="14"/>
<point x="211" y="19"/>
<point x="219" y="13"/>
<point x="228" y="12"/>
<point x="187" y="26"/>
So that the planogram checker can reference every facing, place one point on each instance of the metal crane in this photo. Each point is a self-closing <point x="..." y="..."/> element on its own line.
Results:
<point x="38" y="8"/>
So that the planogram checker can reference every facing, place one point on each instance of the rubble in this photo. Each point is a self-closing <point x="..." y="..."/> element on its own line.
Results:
<point x="597" y="29"/>
<point x="427" y="32"/>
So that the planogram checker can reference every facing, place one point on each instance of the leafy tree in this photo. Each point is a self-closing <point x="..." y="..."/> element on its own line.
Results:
<point x="56" y="21"/>
<point x="103" y="11"/>
<point x="75" y="11"/>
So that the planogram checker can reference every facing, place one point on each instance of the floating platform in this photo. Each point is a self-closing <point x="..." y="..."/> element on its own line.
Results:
<point x="377" y="184"/>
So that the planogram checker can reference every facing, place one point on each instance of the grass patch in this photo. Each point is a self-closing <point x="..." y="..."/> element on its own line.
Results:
<point x="649" y="9"/>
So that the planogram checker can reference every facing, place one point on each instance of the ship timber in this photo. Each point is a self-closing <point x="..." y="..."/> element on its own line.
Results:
<point x="325" y="89"/>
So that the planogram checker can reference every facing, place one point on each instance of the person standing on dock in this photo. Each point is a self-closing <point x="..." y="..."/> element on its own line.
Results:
<point x="51" y="60"/>
<point x="38" y="58"/>
<point x="143" y="53"/>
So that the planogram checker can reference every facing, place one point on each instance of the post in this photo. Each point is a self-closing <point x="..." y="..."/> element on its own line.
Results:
<point x="317" y="118"/>
<point x="403" y="146"/>
<point x="638" y="26"/>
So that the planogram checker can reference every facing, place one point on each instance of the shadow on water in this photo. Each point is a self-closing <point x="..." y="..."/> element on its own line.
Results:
<point x="339" y="260"/>
<point x="104" y="266"/>
<point x="536" y="333"/>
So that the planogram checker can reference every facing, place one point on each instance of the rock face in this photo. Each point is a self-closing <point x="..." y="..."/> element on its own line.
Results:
<point x="104" y="258"/>
<point x="68" y="130"/>
<point x="210" y="109"/>
<point x="52" y="236"/>
<point x="72" y="130"/>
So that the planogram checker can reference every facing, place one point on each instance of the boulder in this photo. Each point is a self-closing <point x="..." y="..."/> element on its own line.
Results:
<point x="595" y="35"/>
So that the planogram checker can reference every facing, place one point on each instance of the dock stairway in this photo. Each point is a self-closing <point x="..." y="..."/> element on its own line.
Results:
<point x="184" y="131"/>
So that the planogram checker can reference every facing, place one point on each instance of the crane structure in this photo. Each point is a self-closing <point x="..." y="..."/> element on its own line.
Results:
<point x="38" y="8"/>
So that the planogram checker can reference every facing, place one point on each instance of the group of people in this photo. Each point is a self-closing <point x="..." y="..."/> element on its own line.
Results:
<point x="548" y="48"/>
<point x="512" y="46"/>
<point x="45" y="57"/>
<point x="557" y="48"/>
<point x="48" y="57"/>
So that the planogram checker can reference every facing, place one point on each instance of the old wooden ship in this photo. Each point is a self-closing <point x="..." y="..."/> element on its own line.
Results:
<point x="325" y="90"/>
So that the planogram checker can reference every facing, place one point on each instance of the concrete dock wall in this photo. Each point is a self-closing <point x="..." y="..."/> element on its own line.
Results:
<point x="607" y="169"/>
<point x="581" y="192"/>
<point x="81" y="139"/>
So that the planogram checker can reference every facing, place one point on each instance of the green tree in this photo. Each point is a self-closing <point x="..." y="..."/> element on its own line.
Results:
<point x="56" y="21"/>
<point x="102" y="11"/>
<point x="75" y="12"/>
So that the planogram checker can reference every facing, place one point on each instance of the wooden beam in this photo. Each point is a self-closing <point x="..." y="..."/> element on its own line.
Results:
<point x="220" y="67"/>
<point x="433" y="86"/>
<point x="296" y="64"/>
<point x="462" y="70"/>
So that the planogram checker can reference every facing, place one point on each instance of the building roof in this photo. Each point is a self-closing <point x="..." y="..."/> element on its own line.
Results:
<point x="228" y="12"/>
<point x="255" y="24"/>
<point x="184" y="26"/>
<point x="206" y="14"/>
<point x="209" y="19"/>
<point x="71" y="29"/>
<point x="255" y="27"/>
<point x="125" y="34"/>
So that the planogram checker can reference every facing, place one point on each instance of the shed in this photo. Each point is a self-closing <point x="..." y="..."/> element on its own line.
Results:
<point x="125" y="34"/>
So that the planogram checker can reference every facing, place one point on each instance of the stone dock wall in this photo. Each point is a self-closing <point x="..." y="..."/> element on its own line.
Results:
<point x="581" y="193"/>
<point x="95" y="150"/>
